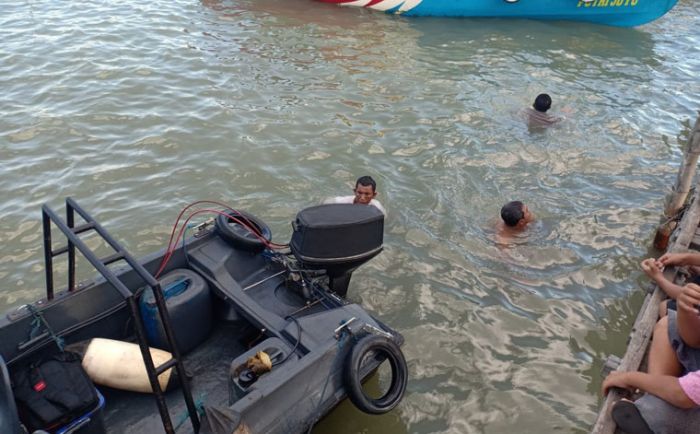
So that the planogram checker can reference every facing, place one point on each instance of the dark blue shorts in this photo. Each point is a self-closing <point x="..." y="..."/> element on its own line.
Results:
<point x="671" y="304"/>
<point x="688" y="357"/>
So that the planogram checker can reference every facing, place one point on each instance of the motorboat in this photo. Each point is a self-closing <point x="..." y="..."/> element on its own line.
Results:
<point x="222" y="331"/>
<point x="624" y="13"/>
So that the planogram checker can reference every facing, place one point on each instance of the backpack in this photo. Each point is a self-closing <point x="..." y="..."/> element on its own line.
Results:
<point x="51" y="393"/>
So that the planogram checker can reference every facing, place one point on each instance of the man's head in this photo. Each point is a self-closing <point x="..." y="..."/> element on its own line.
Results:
<point x="365" y="190"/>
<point x="542" y="103"/>
<point x="515" y="214"/>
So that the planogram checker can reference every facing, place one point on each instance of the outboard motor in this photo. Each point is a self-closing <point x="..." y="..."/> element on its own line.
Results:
<point x="337" y="238"/>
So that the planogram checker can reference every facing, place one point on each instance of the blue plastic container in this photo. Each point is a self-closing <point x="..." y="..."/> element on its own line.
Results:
<point x="189" y="305"/>
<point x="89" y="423"/>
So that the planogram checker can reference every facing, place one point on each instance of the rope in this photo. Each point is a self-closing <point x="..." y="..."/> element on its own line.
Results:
<point x="36" y="327"/>
<point x="198" y="405"/>
<point x="678" y="215"/>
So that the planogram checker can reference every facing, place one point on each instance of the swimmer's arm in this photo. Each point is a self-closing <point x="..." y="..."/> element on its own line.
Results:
<point x="666" y="387"/>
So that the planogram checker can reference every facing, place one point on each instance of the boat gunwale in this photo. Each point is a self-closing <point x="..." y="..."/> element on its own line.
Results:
<point x="640" y="335"/>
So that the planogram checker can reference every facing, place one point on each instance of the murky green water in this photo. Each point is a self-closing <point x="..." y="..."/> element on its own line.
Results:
<point x="136" y="109"/>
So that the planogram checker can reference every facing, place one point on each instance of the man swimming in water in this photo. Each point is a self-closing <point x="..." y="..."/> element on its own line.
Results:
<point x="537" y="114"/>
<point x="365" y="192"/>
<point x="515" y="217"/>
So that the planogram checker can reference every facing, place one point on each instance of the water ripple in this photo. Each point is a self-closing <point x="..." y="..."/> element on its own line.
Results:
<point x="136" y="109"/>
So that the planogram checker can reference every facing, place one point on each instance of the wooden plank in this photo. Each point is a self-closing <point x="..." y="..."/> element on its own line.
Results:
<point x="686" y="173"/>
<point x="695" y="244"/>
<point x="648" y="315"/>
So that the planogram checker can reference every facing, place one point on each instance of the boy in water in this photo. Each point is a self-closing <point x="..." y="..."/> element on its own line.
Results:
<point x="516" y="216"/>
<point x="537" y="114"/>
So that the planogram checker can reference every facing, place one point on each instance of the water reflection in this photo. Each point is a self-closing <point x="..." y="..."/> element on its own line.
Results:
<point x="346" y="419"/>
<point x="289" y="12"/>
<point x="273" y="105"/>
<point x="535" y="37"/>
<point x="310" y="35"/>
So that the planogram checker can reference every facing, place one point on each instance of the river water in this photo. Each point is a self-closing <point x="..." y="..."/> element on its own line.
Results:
<point x="136" y="109"/>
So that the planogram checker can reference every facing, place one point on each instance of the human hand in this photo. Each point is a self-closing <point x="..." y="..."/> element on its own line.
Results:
<point x="652" y="269"/>
<point x="689" y="299"/>
<point x="616" y="379"/>
<point x="671" y="259"/>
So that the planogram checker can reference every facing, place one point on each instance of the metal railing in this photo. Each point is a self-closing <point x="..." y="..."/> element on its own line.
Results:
<point x="71" y="232"/>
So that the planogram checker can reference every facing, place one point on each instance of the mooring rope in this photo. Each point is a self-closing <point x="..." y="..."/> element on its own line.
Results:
<point x="36" y="327"/>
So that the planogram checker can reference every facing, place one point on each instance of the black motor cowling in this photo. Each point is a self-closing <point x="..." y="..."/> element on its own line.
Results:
<point x="337" y="238"/>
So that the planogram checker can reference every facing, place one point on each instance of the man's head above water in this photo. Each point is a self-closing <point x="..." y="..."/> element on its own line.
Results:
<point x="542" y="103"/>
<point x="365" y="190"/>
<point x="516" y="214"/>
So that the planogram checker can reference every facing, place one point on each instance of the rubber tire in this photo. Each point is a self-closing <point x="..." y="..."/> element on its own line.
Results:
<point x="240" y="237"/>
<point x="353" y="382"/>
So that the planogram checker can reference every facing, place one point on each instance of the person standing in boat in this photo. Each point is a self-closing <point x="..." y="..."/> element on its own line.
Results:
<point x="515" y="217"/>
<point x="537" y="114"/>
<point x="365" y="193"/>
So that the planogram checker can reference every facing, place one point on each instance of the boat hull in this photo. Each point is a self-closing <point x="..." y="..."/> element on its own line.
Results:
<point x="256" y="304"/>
<point x="624" y="13"/>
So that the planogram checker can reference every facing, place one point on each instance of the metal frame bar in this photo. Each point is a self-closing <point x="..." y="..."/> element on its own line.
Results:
<point x="70" y="231"/>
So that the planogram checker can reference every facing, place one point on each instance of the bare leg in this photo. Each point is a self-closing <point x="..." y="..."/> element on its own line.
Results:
<point x="662" y="357"/>
<point x="663" y="308"/>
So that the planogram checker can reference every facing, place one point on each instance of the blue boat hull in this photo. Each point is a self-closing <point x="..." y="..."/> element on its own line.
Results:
<point x="610" y="12"/>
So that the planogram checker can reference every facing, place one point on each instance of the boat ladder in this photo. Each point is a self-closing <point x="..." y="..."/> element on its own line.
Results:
<point x="71" y="231"/>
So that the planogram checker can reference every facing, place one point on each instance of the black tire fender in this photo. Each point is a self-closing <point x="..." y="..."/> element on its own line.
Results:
<point x="353" y="382"/>
<point x="238" y="235"/>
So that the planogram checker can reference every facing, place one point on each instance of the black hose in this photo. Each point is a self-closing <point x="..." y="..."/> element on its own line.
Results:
<point x="296" y="345"/>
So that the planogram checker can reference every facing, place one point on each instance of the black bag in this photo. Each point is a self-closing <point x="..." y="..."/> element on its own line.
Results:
<point x="53" y="392"/>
